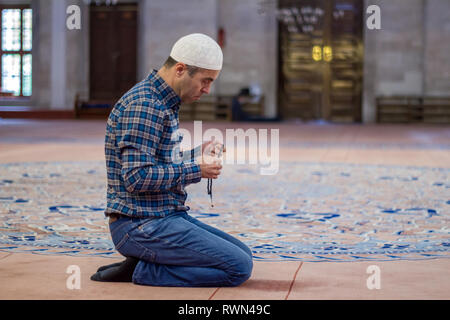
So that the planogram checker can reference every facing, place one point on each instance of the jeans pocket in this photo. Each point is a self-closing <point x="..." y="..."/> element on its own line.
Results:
<point x="148" y="227"/>
<point x="117" y="226"/>
<point x="129" y="247"/>
<point x="120" y="244"/>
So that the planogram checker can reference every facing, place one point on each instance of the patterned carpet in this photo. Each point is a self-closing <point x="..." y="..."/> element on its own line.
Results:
<point x="307" y="212"/>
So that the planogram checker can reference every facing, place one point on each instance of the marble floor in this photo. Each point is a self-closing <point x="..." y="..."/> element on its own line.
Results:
<point x="38" y="276"/>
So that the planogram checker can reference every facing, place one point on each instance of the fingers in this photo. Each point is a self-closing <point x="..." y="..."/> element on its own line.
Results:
<point x="211" y="171"/>
<point x="213" y="148"/>
<point x="215" y="172"/>
<point x="216" y="175"/>
<point x="219" y="146"/>
<point x="211" y="176"/>
<point x="211" y="160"/>
<point x="216" y="165"/>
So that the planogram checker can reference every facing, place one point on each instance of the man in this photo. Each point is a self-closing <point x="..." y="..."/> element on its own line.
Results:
<point x="238" y="114"/>
<point x="146" y="194"/>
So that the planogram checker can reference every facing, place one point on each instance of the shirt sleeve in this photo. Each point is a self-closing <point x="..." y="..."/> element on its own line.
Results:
<point x="138" y="134"/>
<point x="190" y="155"/>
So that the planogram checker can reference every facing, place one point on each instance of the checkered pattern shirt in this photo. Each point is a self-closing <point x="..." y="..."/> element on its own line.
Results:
<point x="143" y="180"/>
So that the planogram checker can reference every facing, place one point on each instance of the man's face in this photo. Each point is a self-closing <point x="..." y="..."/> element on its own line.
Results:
<point x="192" y="88"/>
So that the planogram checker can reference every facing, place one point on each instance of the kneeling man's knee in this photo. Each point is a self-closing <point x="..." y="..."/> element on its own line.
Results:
<point x="242" y="272"/>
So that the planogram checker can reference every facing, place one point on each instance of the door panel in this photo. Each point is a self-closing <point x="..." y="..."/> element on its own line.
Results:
<point x="321" y="59"/>
<point x="301" y="30"/>
<point x="126" y="61"/>
<point x="113" y="50"/>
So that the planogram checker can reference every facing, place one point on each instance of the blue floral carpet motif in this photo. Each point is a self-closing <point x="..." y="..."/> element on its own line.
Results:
<point x="306" y="212"/>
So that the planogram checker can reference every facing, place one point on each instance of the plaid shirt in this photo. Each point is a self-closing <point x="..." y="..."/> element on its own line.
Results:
<point x="143" y="180"/>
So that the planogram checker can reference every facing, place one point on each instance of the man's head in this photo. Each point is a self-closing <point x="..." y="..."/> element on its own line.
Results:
<point x="194" y="63"/>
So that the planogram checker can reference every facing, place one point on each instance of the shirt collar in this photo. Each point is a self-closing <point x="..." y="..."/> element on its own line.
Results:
<point x="169" y="96"/>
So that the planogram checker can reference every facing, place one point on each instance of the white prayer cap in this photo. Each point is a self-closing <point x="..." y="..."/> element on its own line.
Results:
<point x="198" y="50"/>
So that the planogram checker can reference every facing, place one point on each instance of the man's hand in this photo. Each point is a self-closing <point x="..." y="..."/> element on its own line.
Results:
<point x="212" y="148"/>
<point x="210" y="170"/>
<point x="210" y="165"/>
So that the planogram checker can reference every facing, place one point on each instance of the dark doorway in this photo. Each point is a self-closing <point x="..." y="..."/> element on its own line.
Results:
<point x="321" y="59"/>
<point x="113" y="51"/>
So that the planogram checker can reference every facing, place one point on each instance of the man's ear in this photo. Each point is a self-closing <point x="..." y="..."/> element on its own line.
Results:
<point x="180" y="69"/>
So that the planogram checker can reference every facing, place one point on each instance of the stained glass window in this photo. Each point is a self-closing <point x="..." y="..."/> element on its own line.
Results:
<point x="11" y="29"/>
<point x="27" y="20"/>
<point x="11" y="73"/>
<point x="26" y="75"/>
<point x="15" y="51"/>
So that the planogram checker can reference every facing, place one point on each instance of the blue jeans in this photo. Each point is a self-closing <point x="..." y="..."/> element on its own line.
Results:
<point x="180" y="251"/>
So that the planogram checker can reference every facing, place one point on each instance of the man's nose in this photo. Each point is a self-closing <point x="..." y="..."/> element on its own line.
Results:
<point x="205" y="90"/>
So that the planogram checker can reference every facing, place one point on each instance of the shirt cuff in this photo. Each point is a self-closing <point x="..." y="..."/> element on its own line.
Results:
<point x="191" y="173"/>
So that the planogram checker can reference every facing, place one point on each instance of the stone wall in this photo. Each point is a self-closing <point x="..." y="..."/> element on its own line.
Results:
<point x="250" y="40"/>
<point x="162" y="23"/>
<point x="437" y="48"/>
<point x="250" y="53"/>
<point x="409" y="55"/>
<point x="77" y="58"/>
<point x="41" y="95"/>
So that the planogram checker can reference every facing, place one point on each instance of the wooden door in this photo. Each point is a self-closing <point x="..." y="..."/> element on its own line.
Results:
<point x="321" y="59"/>
<point x="113" y="50"/>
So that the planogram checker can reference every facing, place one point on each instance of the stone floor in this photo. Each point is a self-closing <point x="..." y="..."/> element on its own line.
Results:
<point x="33" y="276"/>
